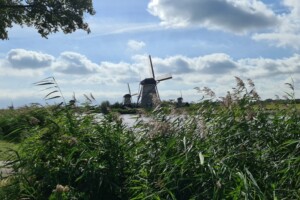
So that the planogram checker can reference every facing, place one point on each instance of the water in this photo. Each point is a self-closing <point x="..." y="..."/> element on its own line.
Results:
<point x="130" y="120"/>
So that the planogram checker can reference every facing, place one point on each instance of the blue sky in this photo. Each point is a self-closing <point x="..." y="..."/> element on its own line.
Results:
<point x="201" y="42"/>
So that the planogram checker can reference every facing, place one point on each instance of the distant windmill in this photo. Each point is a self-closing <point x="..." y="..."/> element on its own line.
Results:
<point x="148" y="88"/>
<point x="127" y="97"/>
<point x="180" y="100"/>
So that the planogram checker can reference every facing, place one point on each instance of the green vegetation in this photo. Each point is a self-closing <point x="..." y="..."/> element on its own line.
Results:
<point x="15" y="124"/>
<point x="5" y="150"/>
<point x="234" y="148"/>
<point x="46" y="16"/>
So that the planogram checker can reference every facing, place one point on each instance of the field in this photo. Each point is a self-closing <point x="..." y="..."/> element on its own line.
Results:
<point x="236" y="148"/>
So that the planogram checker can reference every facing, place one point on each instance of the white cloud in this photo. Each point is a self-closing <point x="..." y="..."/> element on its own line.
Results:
<point x="24" y="59"/>
<point x="135" y="45"/>
<point x="269" y="68"/>
<point x="21" y="93"/>
<point x="122" y="72"/>
<point x="280" y="29"/>
<point x="12" y="72"/>
<point x="209" y="64"/>
<point x="74" y="63"/>
<point x="238" y="16"/>
<point x="23" y="63"/>
<point x="279" y="39"/>
<point x="108" y="26"/>
<point x="287" y="33"/>
<point x="215" y="64"/>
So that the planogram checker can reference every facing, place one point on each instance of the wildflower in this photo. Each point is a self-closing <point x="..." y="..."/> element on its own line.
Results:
<point x="66" y="189"/>
<point x="219" y="184"/>
<point x="251" y="83"/>
<point x="72" y="141"/>
<point x="239" y="82"/>
<point x="254" y="94"/>
<point x="208" y="92"/>
<point x="34" y="121"/>
<point x="290" y="86"/>
<point x="69" y="140"/>
<point x="227" y="100"/>
<point x="60" y="188"/>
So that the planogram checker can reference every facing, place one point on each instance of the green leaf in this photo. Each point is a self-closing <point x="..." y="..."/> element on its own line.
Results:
<point x="53" y="98"/>
<point x="55" y="91"/>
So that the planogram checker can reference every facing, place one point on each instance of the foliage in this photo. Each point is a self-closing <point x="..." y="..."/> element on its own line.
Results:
<point x="231" y="148"/>
<point x="15" y="124"/>
<point x="104" y="107"/>
<point x="46" y="16"/>
<point x="125" y="110"/>
<point x="5" y="149"/>
<point x="73" y="159"/>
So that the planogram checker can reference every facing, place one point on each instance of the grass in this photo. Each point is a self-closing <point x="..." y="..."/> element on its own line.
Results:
<point x="5" y="148"/>
<point x="233" y="149"/>
<point x="275" y="106"/>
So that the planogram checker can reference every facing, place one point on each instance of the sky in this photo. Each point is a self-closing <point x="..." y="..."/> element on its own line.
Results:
<point x="202" y="43"/>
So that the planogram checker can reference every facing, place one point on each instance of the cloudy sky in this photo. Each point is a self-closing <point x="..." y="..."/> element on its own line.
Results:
<point x="200" y="42"/>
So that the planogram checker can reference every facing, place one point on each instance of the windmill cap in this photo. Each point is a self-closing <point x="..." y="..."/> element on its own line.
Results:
<point x="148" y="81"/>
<point x="127" y="95"/>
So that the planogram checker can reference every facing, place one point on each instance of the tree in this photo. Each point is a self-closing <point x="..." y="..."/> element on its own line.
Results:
<point x="47" y="16"/>
<point x="104" y="107"/>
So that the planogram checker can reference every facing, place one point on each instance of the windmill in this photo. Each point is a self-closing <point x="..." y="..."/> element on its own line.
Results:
<point x="148" y="88"/>
<point x="127" y="97"/>
<point x="180" y="100"/>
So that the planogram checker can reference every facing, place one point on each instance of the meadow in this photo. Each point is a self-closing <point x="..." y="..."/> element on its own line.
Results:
<point x="235" y="147"/>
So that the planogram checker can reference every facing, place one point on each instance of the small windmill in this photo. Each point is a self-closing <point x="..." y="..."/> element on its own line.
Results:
<point x="127" y="97"/>
<point x="180" y="100"/>
<point x="148" y="92"/>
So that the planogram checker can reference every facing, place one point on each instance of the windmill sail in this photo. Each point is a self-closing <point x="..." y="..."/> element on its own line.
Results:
<point x="129" y="88"/>
<point x="164" y="77"/>
<point x="151" y="65"/>
<point x="140" y="94"/>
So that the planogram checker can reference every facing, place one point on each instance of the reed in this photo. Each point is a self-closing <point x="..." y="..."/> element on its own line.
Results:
<point x="228" y="148"/>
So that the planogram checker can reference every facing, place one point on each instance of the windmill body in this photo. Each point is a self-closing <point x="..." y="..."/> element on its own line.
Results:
<point x="127" y="97"/>
<point x="127" y="100"/>
<point x="149" y="94"/>
<point x="180" y="100"/>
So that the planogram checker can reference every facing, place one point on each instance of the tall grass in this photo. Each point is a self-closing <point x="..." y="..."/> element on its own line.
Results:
<point x="230" y="148"/>
<point x="15" y="123"/>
